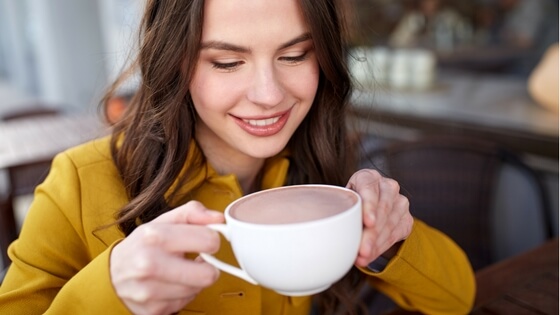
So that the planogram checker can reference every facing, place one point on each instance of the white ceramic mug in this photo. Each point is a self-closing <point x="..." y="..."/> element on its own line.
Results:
<point x="301" y="240"/>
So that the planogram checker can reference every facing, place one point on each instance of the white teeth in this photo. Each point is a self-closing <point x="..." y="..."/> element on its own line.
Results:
<point x="261" y="122"/>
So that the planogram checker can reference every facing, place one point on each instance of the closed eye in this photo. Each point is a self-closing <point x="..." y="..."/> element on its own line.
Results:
<point x="227" y="66"/>
<point x="295" y="59"/>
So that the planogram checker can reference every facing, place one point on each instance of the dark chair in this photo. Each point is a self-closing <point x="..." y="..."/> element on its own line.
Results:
<point x="481" y="195"/>
<point x="3" y="275"/>
<point x="21" y="180"/>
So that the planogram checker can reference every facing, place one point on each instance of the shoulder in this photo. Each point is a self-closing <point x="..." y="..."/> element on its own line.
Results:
<point x="87" y="163"/>
<point x="85" y="184"/>
<point x="91" y="153"/>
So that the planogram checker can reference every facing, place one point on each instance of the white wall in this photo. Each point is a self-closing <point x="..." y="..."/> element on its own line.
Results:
<point x="120" y="20"/>
<point x="69" y="52"/>
<point x="64" y="52"/>
<point x="16" y="59"/>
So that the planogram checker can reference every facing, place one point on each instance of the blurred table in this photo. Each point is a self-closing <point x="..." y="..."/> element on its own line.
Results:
<point x="493" y="107"/>
<point x="27" y="147"/>
<point x="24" y="141"/>
<point x="524" y="284"/>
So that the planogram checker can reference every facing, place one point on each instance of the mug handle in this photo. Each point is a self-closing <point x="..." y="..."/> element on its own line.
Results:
<point x="240" y="273"/>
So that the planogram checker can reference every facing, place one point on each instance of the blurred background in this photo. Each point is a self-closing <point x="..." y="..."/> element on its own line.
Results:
<point x="468" y="69"/>
<point x="63" y="52"/>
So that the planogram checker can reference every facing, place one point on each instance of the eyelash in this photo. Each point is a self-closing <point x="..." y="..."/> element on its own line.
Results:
<point x="231" y="66"/>
<point x="295" y="59"/>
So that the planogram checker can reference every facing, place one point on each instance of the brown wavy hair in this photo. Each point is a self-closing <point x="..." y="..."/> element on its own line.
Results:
<point x="151" y="142"/>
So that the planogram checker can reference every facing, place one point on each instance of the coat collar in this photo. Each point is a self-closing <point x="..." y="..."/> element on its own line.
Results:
<point x="275" y="170"/>
<point x="274" y="175"/>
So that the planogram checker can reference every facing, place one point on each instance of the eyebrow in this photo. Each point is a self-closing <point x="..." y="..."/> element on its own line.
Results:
<point x="219" y="45"/>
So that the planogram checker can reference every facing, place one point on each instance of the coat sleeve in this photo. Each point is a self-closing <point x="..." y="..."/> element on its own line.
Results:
<point x="52" y="271"/>
<point x="429" y="274"/>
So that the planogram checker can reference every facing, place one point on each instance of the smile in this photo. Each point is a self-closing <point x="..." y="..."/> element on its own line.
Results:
<point x="263" y="127"/>
<point x="262" y="122"/>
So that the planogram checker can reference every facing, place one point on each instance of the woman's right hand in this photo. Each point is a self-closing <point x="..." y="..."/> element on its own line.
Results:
<point x="148" y="269"/>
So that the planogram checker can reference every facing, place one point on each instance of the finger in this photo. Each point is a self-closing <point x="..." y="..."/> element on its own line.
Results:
<point x="406" y="221"/>
<point x="366" y="184"/>
<point x="158" y="306"/>
<point x="178" y="238"/>
<point x="153" y="291"/>
<point x="372" y="245"/>
<point x="364" y="177"/>
<point x="192" y="212"/>
<point x="370" y="204"/>
<point x="377" y="240"/>
<point x="388" y="193"/>
<point x="365" y="250"/>
<point x="399" y="220"/>
<point x="175" y="270"/>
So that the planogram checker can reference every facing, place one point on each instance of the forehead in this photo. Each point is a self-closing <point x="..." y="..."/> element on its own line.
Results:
<point x="252" y="21"/>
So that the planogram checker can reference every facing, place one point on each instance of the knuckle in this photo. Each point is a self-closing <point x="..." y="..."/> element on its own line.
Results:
<point x="207" y="275"/>
<point x="191" y="209"/>
<point x="195" y="205"/>
<point x="186" y="210"/>
<point x="392" y="184"/>
<point x="145" y="267"/>
<point x="403" y="201"/>
<point x="141" y="295"/>
<point x="212" y="241"/>
<point x="406" y="226"/>
<point x="149" y="235"/>
<point x="366" y="175"/>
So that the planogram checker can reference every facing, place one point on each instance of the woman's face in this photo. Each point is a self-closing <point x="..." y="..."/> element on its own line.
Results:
<point x="256" y="77"/>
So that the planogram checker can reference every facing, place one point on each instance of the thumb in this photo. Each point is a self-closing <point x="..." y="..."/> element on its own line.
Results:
<point x="192" y="212"/>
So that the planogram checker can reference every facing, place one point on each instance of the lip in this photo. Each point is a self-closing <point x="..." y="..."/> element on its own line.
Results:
<point x="263" y="126"/>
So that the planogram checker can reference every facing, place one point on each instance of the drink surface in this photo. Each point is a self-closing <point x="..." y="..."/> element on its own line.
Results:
<point x="292" y="205"/>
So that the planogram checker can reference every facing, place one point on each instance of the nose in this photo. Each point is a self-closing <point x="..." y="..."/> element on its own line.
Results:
<point x="265" y="89"/>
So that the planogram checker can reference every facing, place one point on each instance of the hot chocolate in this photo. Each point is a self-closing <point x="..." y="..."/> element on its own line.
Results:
<point x="286" y="240"/>
<point x="293" y="205"/>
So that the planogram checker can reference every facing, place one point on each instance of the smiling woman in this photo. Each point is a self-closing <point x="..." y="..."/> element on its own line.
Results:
<point x="254" y="84"/>
<point x="234" y="97"/>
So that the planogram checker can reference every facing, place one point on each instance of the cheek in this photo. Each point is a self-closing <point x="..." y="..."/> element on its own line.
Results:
<point x="309" y="82"/>
<point x="210" y="92"/>
<point x="197" y="88"/>
<point x="206" y="93"/>
<point x="302" y="83"/>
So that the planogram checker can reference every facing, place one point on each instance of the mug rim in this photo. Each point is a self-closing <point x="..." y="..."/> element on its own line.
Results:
<point x="348" y="211"/>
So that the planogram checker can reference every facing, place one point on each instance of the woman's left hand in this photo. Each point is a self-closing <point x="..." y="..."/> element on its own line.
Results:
<point x="386" y="216"/>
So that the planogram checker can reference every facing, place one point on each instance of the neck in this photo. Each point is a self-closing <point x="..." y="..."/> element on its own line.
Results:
<point x="226" y="160"/>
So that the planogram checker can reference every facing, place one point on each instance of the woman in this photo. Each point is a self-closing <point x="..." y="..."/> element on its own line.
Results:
<point x="235" y="97"/>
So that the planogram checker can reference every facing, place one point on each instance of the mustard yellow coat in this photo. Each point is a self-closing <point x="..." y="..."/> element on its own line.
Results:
<point x="61" y="259"/>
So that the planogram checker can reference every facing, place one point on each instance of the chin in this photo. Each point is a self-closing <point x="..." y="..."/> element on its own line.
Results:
<point x="264" y="151"/>
<point x="264" y="154"/>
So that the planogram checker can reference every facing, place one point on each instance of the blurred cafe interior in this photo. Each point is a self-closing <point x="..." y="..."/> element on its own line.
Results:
<point x="449" y="101"/>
